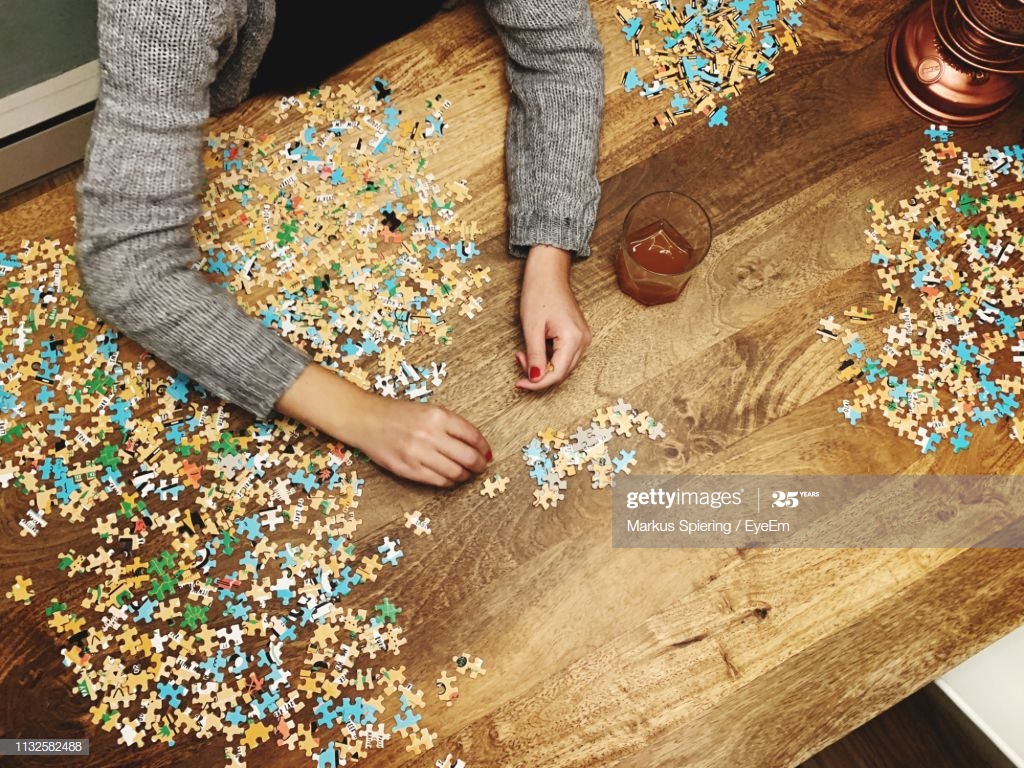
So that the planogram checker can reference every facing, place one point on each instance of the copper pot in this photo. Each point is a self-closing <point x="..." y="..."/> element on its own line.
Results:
<point x="959" y="62"/>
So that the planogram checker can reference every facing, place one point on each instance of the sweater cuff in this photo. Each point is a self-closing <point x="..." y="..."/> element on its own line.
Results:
<point x="273" y="376"/>
<point x="544" y="228"/>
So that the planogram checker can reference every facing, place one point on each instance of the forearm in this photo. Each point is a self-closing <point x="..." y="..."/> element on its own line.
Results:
<point x="555" y="74"/>
<point x="143" y="286"/>
<point x="347" y="416"/>
<point x="138" y="199"/>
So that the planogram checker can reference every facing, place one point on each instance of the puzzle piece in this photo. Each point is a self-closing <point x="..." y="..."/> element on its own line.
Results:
<point x="466" y="664"/>
<point x="420" y="525"/>
<point x="21" y="591"/>
<point x="447" y="691"/>
<point x="493" y="486"/>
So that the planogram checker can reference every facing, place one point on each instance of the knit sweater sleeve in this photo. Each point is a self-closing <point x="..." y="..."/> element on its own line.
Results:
<point x="139" y="197"/>
<point x="556" y="78"/>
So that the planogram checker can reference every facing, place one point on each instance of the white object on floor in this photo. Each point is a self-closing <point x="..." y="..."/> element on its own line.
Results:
<point x="989" y="689"/>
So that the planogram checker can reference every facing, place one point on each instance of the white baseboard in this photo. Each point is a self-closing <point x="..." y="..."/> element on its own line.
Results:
<point x="989" y="689"/>
<point x="44" y="152"/>
<point x="48" y="99"/>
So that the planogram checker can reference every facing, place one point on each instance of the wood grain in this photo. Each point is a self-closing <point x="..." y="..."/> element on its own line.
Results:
<point x="639" y="657"/>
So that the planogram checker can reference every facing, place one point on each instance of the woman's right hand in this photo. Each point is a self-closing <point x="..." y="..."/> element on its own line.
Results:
<point x="425" y="443"/>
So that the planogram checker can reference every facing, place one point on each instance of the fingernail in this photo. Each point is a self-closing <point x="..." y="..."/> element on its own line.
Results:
<point x="489" y="456"/>
<point x="534" y="373"/>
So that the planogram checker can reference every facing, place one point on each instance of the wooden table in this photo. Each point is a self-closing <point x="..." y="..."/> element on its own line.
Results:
<point x="647" y="658"/>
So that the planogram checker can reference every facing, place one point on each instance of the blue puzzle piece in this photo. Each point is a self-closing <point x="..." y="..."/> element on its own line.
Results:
<point x="236" y="716"/>
<point x="391" y="118"/>
<point x="961" y="438"/>
<point x="989" y="389"/>
<point x="986" y="417"/>
<point x="1008" y="324"/>
<point x="347" y="578"/>
<point x="850" y="413"/>
<point x="966" y="352"/>
<point x="405" y="719"/>
<point x="622" y="461"/>
<point x="936" y="134"/>
<point x="59" y="421"/>
<point x="326" y="712"/>
<point x="171" y="693"/>
<point x="1008" y="405"/>
<point x="145" y="612"/>
<point x="631" y="81"/>
<point x="304" y="479"/>
<point x="328" y="756"/>
<point x="355" y="710"/>
<point x="719" y="117"/>
<point x="249" y="527"/>
<point x="769" y="12"/>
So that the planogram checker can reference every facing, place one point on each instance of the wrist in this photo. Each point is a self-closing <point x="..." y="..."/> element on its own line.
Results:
<point x="549" y="261"/>
<point x="325" y="401"/>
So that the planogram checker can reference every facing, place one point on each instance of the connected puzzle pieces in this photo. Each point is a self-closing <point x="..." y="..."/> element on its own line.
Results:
<point x="467" y="664"/>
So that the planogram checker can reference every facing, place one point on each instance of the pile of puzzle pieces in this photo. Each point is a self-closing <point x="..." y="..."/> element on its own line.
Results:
<point x="950" y="360"/>
<point x="338" y="237"/>
<point x="555" y="456"/>
<point x="226" y="545"/>
<point x="704" y="51"/>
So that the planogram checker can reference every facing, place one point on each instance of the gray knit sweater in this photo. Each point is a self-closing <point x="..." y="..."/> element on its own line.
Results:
<point x="166" y="65"/>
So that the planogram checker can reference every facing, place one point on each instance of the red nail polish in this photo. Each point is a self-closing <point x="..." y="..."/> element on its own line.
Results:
<point x="534" y="373"/>
<point x="489" y="456"/>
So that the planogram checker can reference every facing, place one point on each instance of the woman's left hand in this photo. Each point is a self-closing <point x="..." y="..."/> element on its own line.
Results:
<point x="548" y="310"/>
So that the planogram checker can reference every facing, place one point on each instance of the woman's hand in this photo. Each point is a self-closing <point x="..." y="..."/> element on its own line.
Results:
<point x="425" y="443"/>
<point x="548" y="310"/>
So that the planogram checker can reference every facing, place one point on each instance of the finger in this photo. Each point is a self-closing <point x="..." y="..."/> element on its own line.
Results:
<point x="419" y="473"/>
<point x="430" y="477"/>
<point x="575" y="361"/>
<point x="447" y="468"/>
<point x="536" y="352"/>
<point x="534" y="384"/>
<point x="463" y="454"/>
<point x="566" y="350"/>
<point x="581" y="350"/>
<point x="561" y="362"/>
<point x="523" y="383"/>
<point x="558" y="369"/>
<point x="530" y="386"/>
<point x="460" y="428"/>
